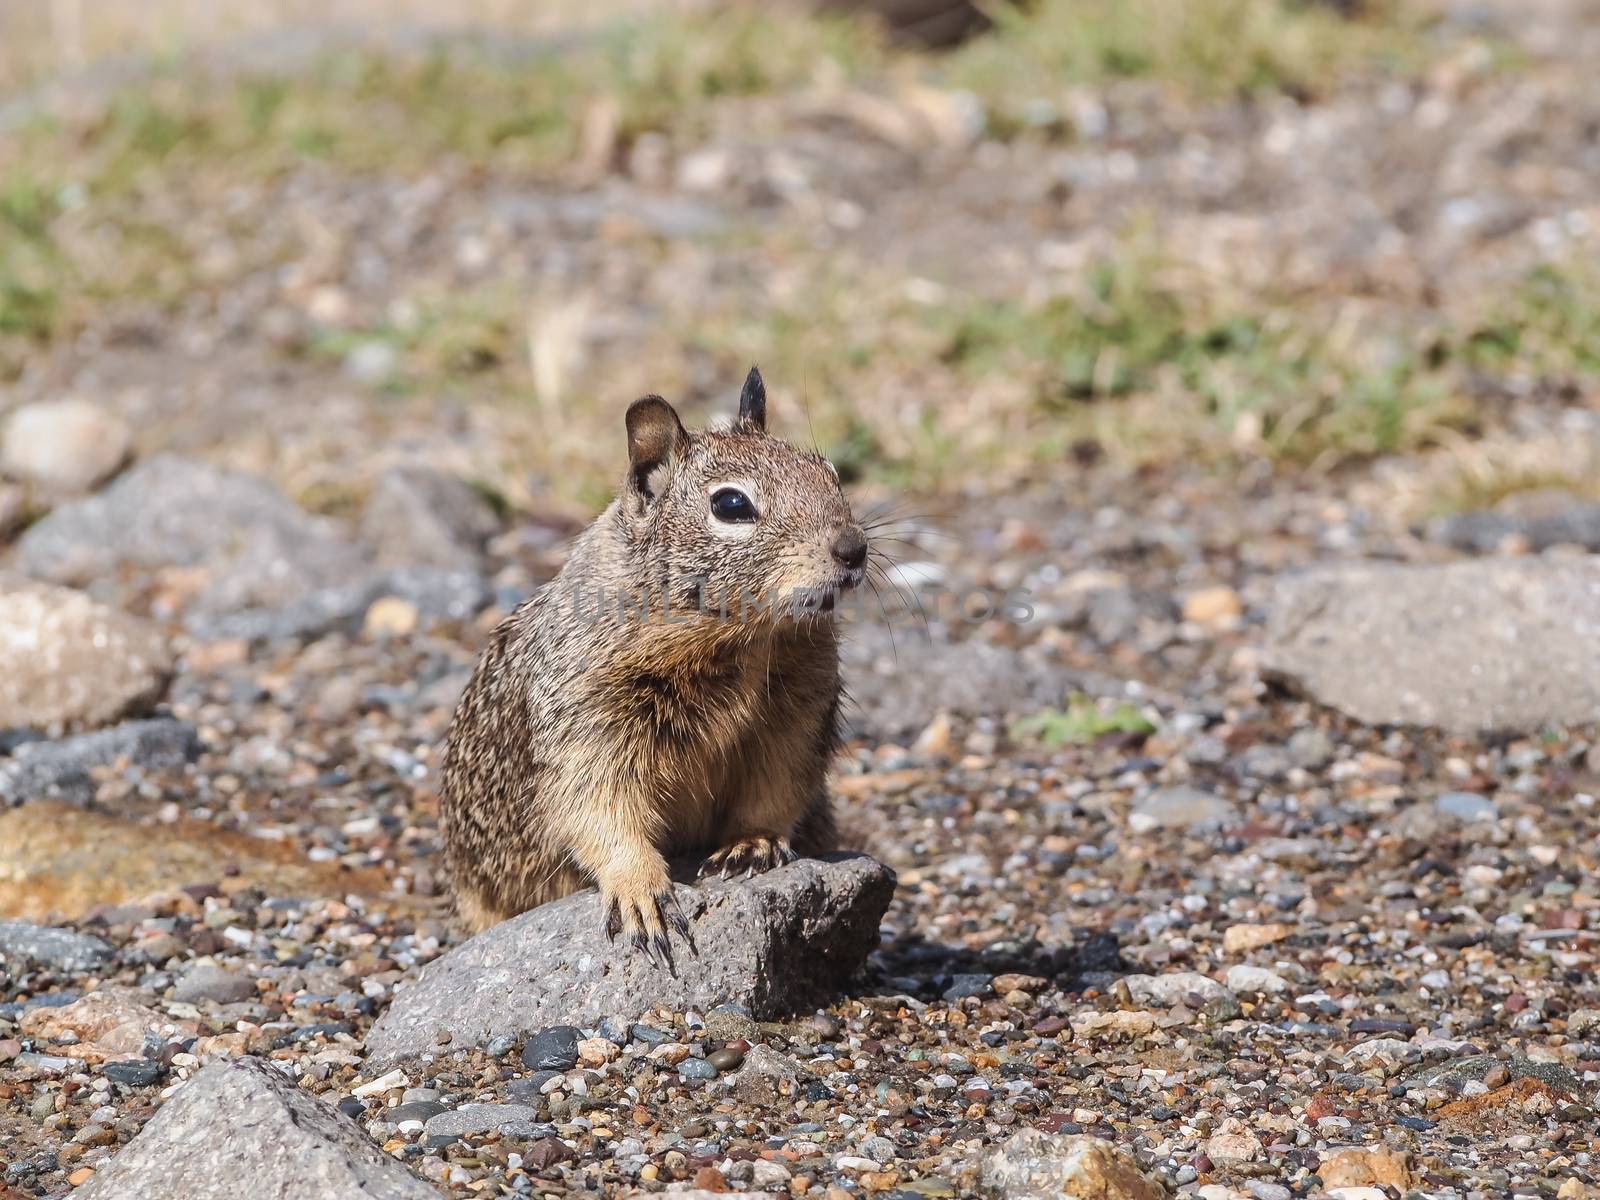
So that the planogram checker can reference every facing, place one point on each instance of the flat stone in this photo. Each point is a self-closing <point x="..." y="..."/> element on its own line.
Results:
<point x="1504" y="644"/>
<point x="1034" y="1165"/>
<point x="555" y="1049"/>
<point x="1243" y="938"/>
<point x="1180" y="807"/>
<point x="471" y="1119"/>
<point x="64" y="446"/>
<point x="135" y="1072"/>
<point x="1247" y="980"/>
<point x="72" y="663"/>
<point x="779" y="942"/>
<point x="107" y="1024"/>
<point x="1466" y="806"/>
<point x="239" y="1126"/>
<point x="63" y="949"/>
<point x="64" y="769"/>
<point x="207" y="981"/>
<point x="1173" y="988"/>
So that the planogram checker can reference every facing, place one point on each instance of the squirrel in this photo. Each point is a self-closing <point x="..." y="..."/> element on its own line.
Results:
<point x="673" y="691"/>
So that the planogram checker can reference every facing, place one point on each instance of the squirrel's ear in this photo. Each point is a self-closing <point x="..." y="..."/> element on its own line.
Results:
<point x="753" y="401"/>
<point x="655" y="436"/>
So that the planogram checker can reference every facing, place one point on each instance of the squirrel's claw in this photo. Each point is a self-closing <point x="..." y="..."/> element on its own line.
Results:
<point x="647" y="923"/>
<point x="614" y="920"/>
<point x="749" y="855"/>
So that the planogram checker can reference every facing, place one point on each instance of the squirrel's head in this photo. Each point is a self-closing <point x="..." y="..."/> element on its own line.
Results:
<point x="731" y="516"/>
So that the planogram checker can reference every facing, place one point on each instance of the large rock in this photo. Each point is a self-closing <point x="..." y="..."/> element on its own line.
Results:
<point x="1491" y="645"/>
<point x="255" y="565"/>
<point x="1034" y="1165"/>
<point x="63" y="949"/>
<point x="63" y="446"/>
<point x="249" y="542"/>
<point x="240" y="1127"/>
<point x="776" y="943"/>
<point x="71" y="663"/>
<point x="418" y="515"/>
<point x="64" y="769"/>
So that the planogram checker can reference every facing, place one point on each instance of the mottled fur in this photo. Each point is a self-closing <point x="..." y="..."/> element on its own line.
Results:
<point x="593" y="743"/>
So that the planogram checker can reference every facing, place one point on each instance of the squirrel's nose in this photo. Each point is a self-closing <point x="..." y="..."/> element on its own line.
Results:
<point x="850" y="547"/>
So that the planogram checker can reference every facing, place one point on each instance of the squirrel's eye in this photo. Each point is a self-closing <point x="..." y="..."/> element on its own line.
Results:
<point x="730" y="504"/>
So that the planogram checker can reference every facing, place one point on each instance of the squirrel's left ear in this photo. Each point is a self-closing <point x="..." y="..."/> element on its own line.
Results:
<point x="753" y="401"/>
<point x="655" y="438"/>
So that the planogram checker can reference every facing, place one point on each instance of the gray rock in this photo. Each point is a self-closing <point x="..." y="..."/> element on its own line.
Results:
<point x="1247" y="980"/>
<point x="1486" y="531"/>
<point x="1310" y="748"/>
<point x="878" y="1149"/>
<point x="1491" y="645"/>
<point x="1473" y="1067"/>
<point x="207" y="981"/>
<point x="63" y="949"/>
<point x="72" y="663"/>
<point x="555" y="1049"/>
<point x="765" y="1076"/>
<point x="1466" y="806"/>
<point x="415" y="1110"/>
<point x="776" y="943"/>
<point x="1180" y="807"/>
<point x="62" y="769"/>
<point x="257" y="547"/>
<point x="416" y="515"/>
<point x="1034" y="1165"/>
<point x="899" y="680"/>
<point x="63" y="446"/>
<point x="240" y="1125"/>
<point x="472" y="1119"/>
<point x="1172" y="988"/>
<point x="696" y="1068"/>
<point x="438" y="593"/>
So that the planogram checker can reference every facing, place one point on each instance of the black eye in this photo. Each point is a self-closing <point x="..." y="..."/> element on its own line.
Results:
<point x="730" y="504"/>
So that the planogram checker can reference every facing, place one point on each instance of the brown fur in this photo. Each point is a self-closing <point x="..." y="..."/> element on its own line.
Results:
<point x="592" y="744"/>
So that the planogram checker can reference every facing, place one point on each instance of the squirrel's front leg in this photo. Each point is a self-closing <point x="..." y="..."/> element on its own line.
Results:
<point x="636" y="896"/>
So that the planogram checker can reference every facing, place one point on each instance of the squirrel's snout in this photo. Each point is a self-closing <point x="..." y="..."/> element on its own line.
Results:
<point x="850" y="547"/>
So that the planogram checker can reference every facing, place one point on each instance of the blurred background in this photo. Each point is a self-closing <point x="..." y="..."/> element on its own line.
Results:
<point x="318" y="321"/>
<point x="1065" y="244"/>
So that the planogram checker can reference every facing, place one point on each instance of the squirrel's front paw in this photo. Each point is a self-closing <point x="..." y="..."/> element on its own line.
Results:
<point x="641" y="905"/>
<point x="749" y="855"/>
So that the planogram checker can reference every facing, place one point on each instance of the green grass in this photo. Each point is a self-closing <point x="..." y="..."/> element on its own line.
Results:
<point x="1277" y="378"/>
<point x="1082" y="722"/>
<point x="29" y="260"/>
<point x="399" y="114"/>
<point x="182" y="141"/>
<point x="1548" y="327"/>
<point x="1204" y="49"/>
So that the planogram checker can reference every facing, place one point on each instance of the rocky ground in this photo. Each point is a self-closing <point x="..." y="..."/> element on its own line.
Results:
<point x="1257" y="861"/>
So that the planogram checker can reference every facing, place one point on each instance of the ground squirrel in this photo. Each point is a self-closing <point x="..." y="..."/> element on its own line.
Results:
<point x="673" y="691"/>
